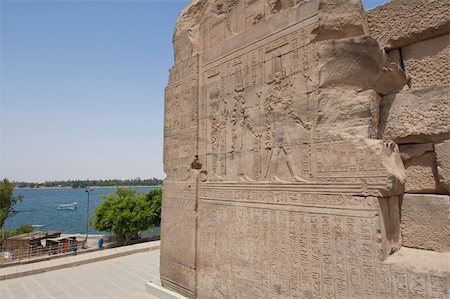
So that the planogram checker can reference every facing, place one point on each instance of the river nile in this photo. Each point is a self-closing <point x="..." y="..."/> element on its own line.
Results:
<point x="40" y="206"/>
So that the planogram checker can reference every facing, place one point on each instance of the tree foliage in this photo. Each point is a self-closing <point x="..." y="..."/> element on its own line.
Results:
<point x="154" y="198"/>
<point x="127" y="212"/>
<point x="7" y="201"/>
<point x="23" y="229"/>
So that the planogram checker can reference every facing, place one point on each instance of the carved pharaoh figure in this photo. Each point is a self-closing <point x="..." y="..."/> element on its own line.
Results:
<point x="283" y="121"/>
<point x="243" y="131"/>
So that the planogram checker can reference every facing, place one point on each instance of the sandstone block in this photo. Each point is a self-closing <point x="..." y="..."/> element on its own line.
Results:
<point x="340" y="19"/>
<point x="344" y="71"/>
<point x="361" y="65"/>
<point x="443" y="163"/>
<point x="348" y="113"/>
<point x="425" y="221"/>
<point x="427" y="63"/>
<point x="417" y="116"/>
<point x="421" y="174"/>
<point x="394" y="78"/>
<point x="403" y="22"/>
<point x="395" y="56"/>
<point x="409" y="151"/>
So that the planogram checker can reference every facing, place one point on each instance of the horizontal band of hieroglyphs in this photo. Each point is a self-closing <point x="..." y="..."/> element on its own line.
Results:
<point x="289" y="197"/>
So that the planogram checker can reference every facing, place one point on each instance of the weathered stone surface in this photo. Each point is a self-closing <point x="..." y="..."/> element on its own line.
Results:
<point x="395" y="56"/>
<point x="283" y="187"/>
<point x="394" y="79"/>
<point x="421" y="174"/>
<point x="420" y="262"/>
<point x="404" y="22"/>
<point x="374" y="70"/>
<point x="390" y="225"/>
<point x="425" y="221"/>
<point x="410" y="151"/>
<point x="443" y="163"/>
<point x="427" y="63"/>
<point x="359" y="76"/>
<point x="178" y="220"/>
<point x="348" y="113"/>
<point x="340" y="19"/>
<point x="421" y="168"/>
<point x="417" y="116"/>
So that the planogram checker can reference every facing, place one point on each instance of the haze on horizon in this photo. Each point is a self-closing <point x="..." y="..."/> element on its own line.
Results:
<point x="82" y="88"/>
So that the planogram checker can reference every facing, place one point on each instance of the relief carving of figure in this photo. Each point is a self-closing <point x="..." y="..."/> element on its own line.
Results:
<point x="284" y="122"/>
<point x="218" y="118"/>
<point x="243" y="134"/>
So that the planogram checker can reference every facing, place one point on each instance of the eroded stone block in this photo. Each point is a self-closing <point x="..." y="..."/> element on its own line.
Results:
<point x="340" y="19"/>
<point x="403" y="22"/>
<point x="427" y="63"/>
<point x="421" y="174"/>
<point x="348" y="113"/>
<point x="341" y="72"/>
<point x="443" y="163"/>
<point x="409" y="151"/>
<point x="418" y="116"/>
<point x="374" y="69"/>
<point x="425" y="221"/>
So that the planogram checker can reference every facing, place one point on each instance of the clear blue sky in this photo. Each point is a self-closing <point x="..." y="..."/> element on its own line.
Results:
<point x="82" y="86"/>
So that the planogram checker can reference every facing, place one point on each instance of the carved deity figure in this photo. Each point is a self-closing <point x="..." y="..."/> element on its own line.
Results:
<point x="284" y="123"/>
<point x="218" y="118"/>
<point x="243" y="134"/>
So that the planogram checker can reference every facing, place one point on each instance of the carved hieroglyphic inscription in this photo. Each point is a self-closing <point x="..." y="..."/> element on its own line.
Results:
<point x="179" y="229"/>
<point x="316" y="246"/>
<point x="288" y="253"/>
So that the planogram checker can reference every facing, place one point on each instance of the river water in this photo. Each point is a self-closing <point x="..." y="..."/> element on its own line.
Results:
<point x="39" y="206"/>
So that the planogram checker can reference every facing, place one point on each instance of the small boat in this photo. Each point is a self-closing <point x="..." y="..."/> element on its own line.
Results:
<point x="69" y="206"/>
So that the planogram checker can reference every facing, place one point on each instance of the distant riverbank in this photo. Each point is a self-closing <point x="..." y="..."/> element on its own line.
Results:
<point x="88" y="187"/>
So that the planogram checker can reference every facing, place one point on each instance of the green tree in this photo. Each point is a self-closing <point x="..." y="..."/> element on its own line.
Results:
<point x="154" y="198"/>
<point x="7" y="201"/>
<point x="124" y="213"/>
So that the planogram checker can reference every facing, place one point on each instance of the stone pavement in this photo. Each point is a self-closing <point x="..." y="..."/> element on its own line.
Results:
<point x="72" y="260"/>
<point x="121" y="277"/>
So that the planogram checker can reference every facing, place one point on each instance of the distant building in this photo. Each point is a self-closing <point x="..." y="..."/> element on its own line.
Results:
<point x="29" y="240"/>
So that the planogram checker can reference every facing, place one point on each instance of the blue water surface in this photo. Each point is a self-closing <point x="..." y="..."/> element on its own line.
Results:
<point x="39" y="206"/>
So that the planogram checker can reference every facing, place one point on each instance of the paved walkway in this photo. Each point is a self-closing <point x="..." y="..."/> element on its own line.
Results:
<point x="70" y="260"/>
<point x="120" y="277"/>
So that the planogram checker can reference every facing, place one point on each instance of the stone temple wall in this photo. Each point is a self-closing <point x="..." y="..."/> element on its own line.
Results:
<point x="307" y="150"/>
<point x="415" y="34"/>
